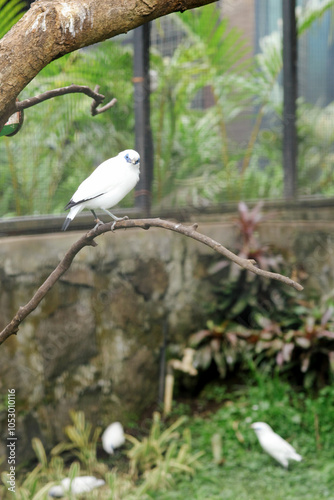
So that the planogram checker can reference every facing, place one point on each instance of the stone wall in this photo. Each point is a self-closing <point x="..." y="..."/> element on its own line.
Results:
<point x="94" y="341"/>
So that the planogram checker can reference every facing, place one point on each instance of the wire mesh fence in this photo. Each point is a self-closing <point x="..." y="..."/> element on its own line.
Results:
<point x="216" y="112"/>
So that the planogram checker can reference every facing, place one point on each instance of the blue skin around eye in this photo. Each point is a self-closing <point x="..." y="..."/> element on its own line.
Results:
<point x="127" y="158"/>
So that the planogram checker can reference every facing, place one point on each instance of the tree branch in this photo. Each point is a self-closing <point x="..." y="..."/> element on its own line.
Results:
<point x="95" y="104"/>
<point x="53" y="28"/>
<point x="70" y="89"/>
<point x="88" y="240"/>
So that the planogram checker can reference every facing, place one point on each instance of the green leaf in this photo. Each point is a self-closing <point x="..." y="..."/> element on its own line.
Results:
<point x="38" y="448"/>
<point x="313" y="11"/>
<point x="10" y="12"/>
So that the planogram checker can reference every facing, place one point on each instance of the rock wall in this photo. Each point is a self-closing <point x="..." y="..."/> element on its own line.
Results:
<point x="94" y="341"/>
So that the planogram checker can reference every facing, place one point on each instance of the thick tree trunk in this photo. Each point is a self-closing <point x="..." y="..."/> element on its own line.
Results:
<point x="52" y="28"/>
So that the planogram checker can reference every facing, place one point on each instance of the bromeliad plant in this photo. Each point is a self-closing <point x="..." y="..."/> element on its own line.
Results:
<point x="239" y="294"/>
<point x="240" y="300"/>
<point x="264" y="322"/>
<point x="223" y="344"/>
<point x="302" y="341"/>
<point x="310" y="346"/>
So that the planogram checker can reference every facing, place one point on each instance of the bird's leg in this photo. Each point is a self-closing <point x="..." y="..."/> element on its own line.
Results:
<point x="96" y="219"/>
<point x="116" y="219"/>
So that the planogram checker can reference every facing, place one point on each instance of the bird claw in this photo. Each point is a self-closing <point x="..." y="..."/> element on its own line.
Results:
<point x="117" y="220"/>
<point x="98" y="223"/>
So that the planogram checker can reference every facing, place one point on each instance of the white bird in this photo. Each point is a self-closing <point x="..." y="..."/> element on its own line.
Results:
<point x="113" y="437"/>
<point x="106" y="186"/>
<point x="82" y="484"/>
<point x="274" y="445"/>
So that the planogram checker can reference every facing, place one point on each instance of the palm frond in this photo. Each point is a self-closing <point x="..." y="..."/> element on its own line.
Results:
<point x="313" y="11"/>
<point x="223" y="46"/>
<point x="10" y="13"/>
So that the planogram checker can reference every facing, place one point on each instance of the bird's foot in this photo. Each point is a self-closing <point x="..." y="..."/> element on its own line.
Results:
<point x="98" y="223"/>
<point x="117" y="220"/>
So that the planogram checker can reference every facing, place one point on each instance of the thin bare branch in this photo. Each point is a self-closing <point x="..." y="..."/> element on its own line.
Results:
<point x="89" y="240"/>
<point x="70" y="89"/>
<point x="109" y="105"/>
<point x="94" y="111"/>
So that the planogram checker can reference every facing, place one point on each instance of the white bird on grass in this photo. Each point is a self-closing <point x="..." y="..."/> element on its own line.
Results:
<point x="113" y="437"/>
<point x="106" y="186"/>
<point x="274" y="445"/>
<point x="82" y="484"/>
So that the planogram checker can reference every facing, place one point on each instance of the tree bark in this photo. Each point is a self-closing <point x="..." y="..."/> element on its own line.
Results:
<point x="53" y="28"/>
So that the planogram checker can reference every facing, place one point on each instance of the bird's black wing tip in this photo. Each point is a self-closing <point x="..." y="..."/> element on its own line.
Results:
<point x="70" y="204"/>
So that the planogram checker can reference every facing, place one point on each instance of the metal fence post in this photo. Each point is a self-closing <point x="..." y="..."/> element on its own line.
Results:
<point x="144" y="143"/>
<point x="290" y="147"/>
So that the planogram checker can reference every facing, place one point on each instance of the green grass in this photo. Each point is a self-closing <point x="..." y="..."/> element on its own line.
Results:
<point x="255" y="480"/>
<point x="246" y="472"/>
<point x="250" y="474"/>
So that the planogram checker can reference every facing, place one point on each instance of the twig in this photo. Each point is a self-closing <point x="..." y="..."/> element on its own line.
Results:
<point x="110" y="104"/>
<point x="93" y="109"/>
<point x="88" y="240"/>
<point x="70" y="89"/>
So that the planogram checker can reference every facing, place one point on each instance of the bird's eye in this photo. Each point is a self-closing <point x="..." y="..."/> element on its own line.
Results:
<point x="127" y="157"/>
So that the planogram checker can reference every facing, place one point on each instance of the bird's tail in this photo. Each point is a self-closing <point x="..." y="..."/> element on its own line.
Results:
<point x="297" y="457"/>
<point x="66" y="223"/>
<point x="72" y="213"/>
